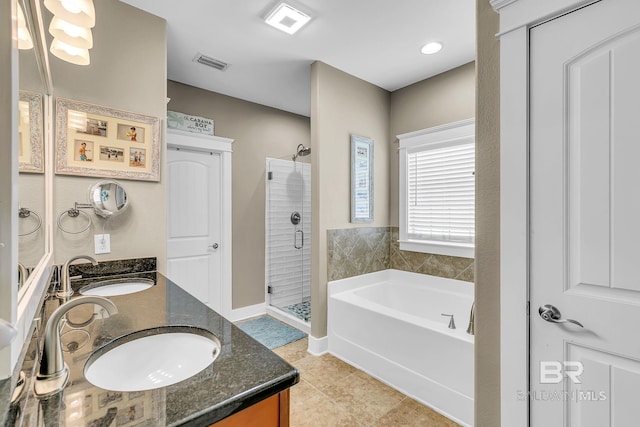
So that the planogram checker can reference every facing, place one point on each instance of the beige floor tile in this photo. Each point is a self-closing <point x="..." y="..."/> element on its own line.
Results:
<point x="322" y="371"/>
<point x="410" y="413"/>
<point x="364" y="396"/>
<point x="311" y="408"/>
<point x="293" y="351"/>
<point x="332" y="393"/>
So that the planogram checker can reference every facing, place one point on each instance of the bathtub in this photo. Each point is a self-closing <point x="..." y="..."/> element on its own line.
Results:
<point x="389" y="324"/>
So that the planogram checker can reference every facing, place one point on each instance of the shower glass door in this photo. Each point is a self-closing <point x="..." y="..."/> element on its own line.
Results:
<point x="288" y="237"/>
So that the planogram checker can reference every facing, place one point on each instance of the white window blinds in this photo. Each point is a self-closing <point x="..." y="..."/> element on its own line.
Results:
<point x="441" y="192"/>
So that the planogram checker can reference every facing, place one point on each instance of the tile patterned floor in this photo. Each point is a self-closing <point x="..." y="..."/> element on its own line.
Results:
<point x="332" y="393"/>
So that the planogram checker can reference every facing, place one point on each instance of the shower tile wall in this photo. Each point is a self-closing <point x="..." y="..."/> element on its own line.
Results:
<point x="355" y="251"/>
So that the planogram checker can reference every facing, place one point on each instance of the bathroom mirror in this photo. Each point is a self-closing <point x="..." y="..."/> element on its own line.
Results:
<point x="108" y="198"/>
<point x="33" y="89"/>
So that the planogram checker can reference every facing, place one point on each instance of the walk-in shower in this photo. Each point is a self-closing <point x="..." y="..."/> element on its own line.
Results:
<point x="288" y="239"/>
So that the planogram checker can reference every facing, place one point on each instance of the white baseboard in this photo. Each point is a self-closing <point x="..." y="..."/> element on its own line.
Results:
<point x="318" y="346"/>
<point x="247" y="312"/>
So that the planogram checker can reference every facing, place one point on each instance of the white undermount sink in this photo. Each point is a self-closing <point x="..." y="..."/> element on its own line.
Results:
<point x="114" y="287"/>
<point x="152" y="358"/>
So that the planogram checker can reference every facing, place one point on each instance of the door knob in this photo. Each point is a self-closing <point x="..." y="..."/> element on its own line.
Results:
<point x="552" y="314"/>
<point x="214" y="246"/>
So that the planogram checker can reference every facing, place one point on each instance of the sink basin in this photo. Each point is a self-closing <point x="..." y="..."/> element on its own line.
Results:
<point x="152" y="358"/>
<point x="113" y="287"/>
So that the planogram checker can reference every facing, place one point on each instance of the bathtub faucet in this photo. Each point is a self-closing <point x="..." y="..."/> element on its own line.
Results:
<point x="471" y="329"/>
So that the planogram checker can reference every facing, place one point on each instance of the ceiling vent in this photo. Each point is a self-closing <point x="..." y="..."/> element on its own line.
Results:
<point x="210" y="62"/>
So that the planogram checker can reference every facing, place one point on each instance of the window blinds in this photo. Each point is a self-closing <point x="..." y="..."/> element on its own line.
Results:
<point x="441" y="193"/>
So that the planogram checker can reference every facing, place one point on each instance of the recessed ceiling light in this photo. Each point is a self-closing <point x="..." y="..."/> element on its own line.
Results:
<point x="431" y="48"/>
<point x="287" y="18"/>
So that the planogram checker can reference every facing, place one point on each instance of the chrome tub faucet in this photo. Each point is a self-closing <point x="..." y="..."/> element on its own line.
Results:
<point x="471" y="329"/>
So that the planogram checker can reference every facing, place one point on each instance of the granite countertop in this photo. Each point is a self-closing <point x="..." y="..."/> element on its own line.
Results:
<point x="244" y="373"/>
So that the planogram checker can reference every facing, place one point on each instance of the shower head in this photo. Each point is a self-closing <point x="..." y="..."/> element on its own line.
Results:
<point x="302" y="151"/>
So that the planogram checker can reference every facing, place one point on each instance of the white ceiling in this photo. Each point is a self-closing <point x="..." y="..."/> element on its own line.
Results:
<point x="375" y="40"/>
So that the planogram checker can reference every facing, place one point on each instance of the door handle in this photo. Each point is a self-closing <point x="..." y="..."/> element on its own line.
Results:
<point x="552" y="314"/>
<point x="214" y="246"/>
<point x="295" y="239"/>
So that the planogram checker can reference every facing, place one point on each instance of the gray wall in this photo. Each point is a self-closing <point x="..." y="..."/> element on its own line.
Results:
<point x="445" y="98"/>
<point x="259" y="132"/>
<point x="127" y="72"/>
<point x="487" y="339"/>
<point x="342" y="105"/>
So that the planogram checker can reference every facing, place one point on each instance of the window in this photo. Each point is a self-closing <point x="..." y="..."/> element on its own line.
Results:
<point x="437" y="190"/>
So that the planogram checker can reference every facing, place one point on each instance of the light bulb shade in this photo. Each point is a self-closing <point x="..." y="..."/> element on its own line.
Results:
<point x="71" y="34"/>
<point x="24" y="36"/>
<point x="77" y="12"/>
<point x="72" y="54"/>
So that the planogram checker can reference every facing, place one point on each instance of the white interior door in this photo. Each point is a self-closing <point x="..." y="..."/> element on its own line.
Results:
<point x="585" y="216"/>
<point x="194" y="223"/>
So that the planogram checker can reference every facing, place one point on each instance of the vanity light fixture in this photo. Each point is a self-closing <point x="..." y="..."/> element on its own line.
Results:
<point x="71" y="29"/>
<point x="71" y="34"/>
<point x="24" y="37"/>
<point x="72" y="54"/>
<point x="77" y="12"/>
<point x="286" y="18"/>
<point x="431" y="48"/>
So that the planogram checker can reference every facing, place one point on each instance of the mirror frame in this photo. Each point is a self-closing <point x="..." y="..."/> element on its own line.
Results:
<point x="20" y="308"/>
<point x="101" y="211"/>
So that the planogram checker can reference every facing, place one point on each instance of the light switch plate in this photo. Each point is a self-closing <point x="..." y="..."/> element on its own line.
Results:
<point x="102" y="243"/>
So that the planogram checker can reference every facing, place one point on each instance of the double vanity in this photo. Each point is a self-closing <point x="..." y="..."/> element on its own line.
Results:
<point x="146" y="354"/>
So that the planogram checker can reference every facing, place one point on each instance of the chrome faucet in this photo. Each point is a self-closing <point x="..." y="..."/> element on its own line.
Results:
<point x="22" y="275"/>
<point x="65" y="283"/>
<point x="53" y="373"/>
<point x="471" y="329"/>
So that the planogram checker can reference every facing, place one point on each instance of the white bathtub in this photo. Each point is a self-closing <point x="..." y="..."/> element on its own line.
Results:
<point x="389" y="324"/>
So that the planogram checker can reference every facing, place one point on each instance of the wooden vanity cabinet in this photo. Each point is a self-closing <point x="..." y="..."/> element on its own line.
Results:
<point x="270" y="412"/>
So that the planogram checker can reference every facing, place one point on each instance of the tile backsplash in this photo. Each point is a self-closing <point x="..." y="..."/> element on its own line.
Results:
<point x="361" y="250"/>
<point x="355" y="251"/>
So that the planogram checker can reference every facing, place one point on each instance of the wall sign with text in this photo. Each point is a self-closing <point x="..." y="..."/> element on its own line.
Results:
<point x="188" y="123"/>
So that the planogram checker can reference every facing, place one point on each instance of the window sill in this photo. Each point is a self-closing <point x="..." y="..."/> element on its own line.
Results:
<point x="450" y="249"/>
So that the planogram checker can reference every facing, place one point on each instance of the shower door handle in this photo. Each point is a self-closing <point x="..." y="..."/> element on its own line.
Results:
<point x="295" y="239"/>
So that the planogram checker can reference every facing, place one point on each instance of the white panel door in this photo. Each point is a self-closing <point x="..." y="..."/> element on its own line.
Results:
<point x="194" y="221"/>
<point x="585" y="216"/>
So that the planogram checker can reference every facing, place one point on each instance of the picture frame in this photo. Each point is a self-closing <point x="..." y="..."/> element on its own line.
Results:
<point x="97" y="141"/>
<point x="361" y="179"/>
<point x="30" y="132"/>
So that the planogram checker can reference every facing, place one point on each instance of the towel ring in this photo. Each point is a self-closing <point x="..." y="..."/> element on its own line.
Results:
<point x="26" y="213"/>
<point x="74" y="213"/>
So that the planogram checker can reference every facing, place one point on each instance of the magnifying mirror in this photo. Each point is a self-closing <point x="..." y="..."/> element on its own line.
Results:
<point x="108" y="198"/>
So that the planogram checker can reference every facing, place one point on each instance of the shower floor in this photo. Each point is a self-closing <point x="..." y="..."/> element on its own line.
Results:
<point x="301" y="310"/>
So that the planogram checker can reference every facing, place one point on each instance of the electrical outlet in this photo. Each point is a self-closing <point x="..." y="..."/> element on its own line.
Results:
<point x="102" y="243"/>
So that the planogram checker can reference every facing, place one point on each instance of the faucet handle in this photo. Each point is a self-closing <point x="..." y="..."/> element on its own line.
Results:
<point x="452" y="323"/>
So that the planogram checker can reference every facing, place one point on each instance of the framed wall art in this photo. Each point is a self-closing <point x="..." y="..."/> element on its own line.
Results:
<point x="30" y="133"/>
<point x="361" y="179"/>
<point x="92" y="140"/>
